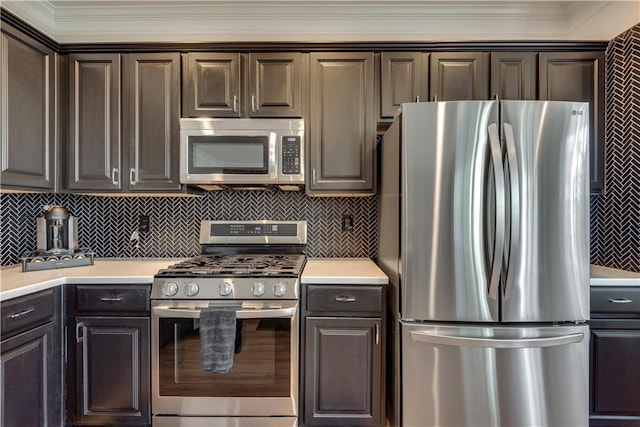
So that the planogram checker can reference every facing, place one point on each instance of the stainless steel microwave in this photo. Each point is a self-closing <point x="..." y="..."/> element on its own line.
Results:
<point x="241" y="151"/>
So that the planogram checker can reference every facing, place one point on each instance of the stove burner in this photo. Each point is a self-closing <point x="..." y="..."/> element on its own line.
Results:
<point x="238" y="265"/>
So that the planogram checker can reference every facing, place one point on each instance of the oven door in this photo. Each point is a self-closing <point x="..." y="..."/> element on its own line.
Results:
<point x="264" y="377"/>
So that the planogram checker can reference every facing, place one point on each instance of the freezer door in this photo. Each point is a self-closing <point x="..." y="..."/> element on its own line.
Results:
<point x="547" y="250"/>
<point x="448" y="221"/>
<point x="506" y="376"/>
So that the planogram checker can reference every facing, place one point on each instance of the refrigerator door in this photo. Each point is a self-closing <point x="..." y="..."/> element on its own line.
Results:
<point x="448" y="221"/>
<point x="503" y="376"/>
<point x="547" y="250"/>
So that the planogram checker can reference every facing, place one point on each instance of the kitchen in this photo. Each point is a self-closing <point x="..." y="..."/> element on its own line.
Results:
<point x="108" y="224"/>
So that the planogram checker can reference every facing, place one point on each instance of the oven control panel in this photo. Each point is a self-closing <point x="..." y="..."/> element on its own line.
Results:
<point x="225" y="288"/>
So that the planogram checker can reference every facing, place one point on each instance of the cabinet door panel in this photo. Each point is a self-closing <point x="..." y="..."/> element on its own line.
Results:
<point x="95" y="142"/>
<point x="459" y="76"/>
<point x="403" y="79"/>
<point x="212" y="85"/>
<point x="513" y="75"/>
<point x="27" y="111"/>
<point x="275" y="84"/>
<point x="152" y="120"/>
<point x="342" y="371"/>
<point x="112" y="370"/>
<point x="342" y="122"/>
<point x="579" y="76"/>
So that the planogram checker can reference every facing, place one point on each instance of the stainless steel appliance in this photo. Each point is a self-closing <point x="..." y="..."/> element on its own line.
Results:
<point x="253" y="267"/>
<point x="57" y="231"/>
<point x="484" y="233"/>
<point x="216" y="152"/>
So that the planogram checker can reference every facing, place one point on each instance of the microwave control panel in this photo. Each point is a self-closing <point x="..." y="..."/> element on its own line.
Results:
<point x="291" y="155"/>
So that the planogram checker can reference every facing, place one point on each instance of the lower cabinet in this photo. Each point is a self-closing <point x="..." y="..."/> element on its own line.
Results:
<point x="31" y="361"/>
<point x="343" y="366"/>
<point x="108" y="370"/>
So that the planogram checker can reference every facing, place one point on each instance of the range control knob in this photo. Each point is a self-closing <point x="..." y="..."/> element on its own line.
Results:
<point x="170" y="289"/>
<point x="279" y="289"/>
<point x="257" y="289"/>
<point x="225" y="289"/>
<point x="191" y="289"/>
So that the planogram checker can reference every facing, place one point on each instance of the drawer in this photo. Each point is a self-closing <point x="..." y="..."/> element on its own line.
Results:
<point x="344" y="298"/>
<point x="614" y="301"/>
<point x="113" y="298"/>
<point x="27" y="312"/>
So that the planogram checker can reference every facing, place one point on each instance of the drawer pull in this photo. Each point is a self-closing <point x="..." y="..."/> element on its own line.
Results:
<point x="111" y="299"/>
<point x="22" y="313"/>
<point x="620" y="300"/>
<point x="345" y="298"/>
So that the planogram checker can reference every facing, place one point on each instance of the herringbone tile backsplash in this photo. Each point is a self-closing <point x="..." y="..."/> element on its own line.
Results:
<point x="615" y="215"/>
<point x="106" y="223"/>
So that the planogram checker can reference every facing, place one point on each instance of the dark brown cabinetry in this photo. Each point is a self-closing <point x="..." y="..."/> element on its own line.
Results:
<point x="124" y="122"/>
<point x="456" y="76"/>
<point x="108" y="355"/>
<point x="578" y="76"/>
<point x="341" y="125"/>
<point x="403" y="78"/>
<point x="215" y="85"/>
<point x="615" y="352"/>
<point x="513" y="75"/>
<point x="343" y="363"/>
<point x="31" y="361"/>
<point x="27" y="112"/>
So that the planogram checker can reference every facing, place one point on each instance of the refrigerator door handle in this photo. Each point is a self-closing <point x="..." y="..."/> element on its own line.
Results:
<point x="514" y="195"/>
<point x="498" y="246"/>
<point x="443" y="339"/>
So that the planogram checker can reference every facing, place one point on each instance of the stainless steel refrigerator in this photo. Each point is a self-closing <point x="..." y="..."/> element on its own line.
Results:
<point x="484" y="233"/>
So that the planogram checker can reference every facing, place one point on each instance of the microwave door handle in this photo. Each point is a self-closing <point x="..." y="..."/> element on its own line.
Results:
<point x="188" y="313"/>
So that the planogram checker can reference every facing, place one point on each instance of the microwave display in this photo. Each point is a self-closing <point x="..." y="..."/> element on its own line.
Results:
<point x="229" y="154"/>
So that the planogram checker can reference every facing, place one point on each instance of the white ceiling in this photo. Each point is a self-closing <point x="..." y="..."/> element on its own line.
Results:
<point x="93" y="21"/>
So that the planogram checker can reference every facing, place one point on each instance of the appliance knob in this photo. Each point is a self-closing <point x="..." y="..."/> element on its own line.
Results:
<point x="279" y="289"/>
<point x="170" y="289"/>
<point x="191" y="289"/>
<point x="258" y="289"/>
<point x="224" y="289"/>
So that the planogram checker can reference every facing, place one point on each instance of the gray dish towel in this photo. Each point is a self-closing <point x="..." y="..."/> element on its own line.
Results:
<point x="217" y="338"/>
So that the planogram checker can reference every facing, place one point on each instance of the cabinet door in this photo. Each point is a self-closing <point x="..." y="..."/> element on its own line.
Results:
<point x="459" y="76"/>
<point x="94" y="122"/>
<point x="403" y="78"/>
<point x="275" y="84"/>
<point x="578" y="76"/>
<point x="151" y="115"/>
<point x="513" y="75"/>
<point x="343" y="370"/>
<point x="27" y="112"/>
<point x="342" y="124"/>
<point x="212" y="85"/>
<point x="615" y="373"/>
<point x="112" y="370"/>
<point x="28" y="378"/>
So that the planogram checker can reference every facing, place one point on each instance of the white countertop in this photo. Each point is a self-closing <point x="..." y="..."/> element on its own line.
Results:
<point x="15" y="283"/>
<point x="605" y="276"/>
<point x="349" y="271"/>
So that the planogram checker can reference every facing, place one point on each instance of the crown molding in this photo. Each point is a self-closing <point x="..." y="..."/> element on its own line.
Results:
<point x="39" y="14"/>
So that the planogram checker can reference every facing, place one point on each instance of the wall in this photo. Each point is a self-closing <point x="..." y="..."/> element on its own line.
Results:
<point x="615" y="215"/>
<point x="106" y="223"/>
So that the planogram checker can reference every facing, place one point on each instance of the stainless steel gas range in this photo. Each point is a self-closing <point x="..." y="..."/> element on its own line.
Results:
<point x="252" y="269"/>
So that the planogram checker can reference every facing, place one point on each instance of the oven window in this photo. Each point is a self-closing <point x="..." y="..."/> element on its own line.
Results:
<point x="229" y="154"/>
<point x="261" y="363"/>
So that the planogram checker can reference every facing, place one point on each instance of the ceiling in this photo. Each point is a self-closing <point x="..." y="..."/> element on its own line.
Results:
<point x="96" y="21"/>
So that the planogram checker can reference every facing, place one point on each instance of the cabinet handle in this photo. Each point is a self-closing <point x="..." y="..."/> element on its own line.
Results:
<point x="417" y="98"/>
<point x="377" y="334"/>
<point x="253" y="103"/>
<point x="114" y="172"/>
<point x="345" y="298"/>
<point x="22" y="313"/>
<point x="435" y="98"/>
<point x="133" y="176"/>
<point x="620" y="300"/>
<point x="111" y="299"/>
<point x="235" y="103"/>
<point x="313" y="175"/>
<point x="79" y="336"/>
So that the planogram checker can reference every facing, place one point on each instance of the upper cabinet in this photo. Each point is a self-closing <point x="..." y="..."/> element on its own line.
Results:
<point x="220" y="85"/>
<point x="578" y="76"/>
<point x="27" y="111"/>
<point x="457" y="76"/>
<point x="403" y="78"/>
<point x="124" y="122"/>
<point x="513" y="75"/>
<point x="341" y="125"/>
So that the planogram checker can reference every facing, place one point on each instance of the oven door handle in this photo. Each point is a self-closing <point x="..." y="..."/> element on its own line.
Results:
<point x="188" y="313"/>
